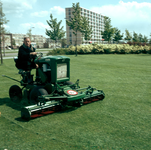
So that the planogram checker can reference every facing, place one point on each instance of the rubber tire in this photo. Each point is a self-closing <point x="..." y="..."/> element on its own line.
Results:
<point x="35" y="92"/>
<point x="15" y="93"/>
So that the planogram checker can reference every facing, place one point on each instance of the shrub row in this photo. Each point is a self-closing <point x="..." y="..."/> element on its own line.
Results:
<point x="103" y="49"/>
<point x="138" y="43"/>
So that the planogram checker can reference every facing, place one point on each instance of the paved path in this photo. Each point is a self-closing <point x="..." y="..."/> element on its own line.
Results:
<point x="12" y="55"/>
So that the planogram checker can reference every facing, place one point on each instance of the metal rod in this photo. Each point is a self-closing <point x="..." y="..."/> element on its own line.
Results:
<point x="11" y="78"/>
<point x="82" y="89"/>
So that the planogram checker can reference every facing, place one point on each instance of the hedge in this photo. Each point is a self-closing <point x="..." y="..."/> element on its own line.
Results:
<point x="103" y="49"/>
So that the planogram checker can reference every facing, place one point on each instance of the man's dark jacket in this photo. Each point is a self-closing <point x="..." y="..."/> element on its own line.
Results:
<point x="25" y="60"/>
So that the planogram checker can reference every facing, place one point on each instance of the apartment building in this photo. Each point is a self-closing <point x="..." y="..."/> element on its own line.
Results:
<point x="38" y="40"/>
<point x="96" y="21"/>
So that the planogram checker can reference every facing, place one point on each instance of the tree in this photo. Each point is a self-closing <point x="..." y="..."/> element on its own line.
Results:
<point x="108" y="32"/>
<point x="13" y="42"/>
<point x="3" y="39"/>
<point x="145" y="40"/>
<point x="29" y="33"/>
<point x="128" y="36"/>
<point x="117" y="35"/>
<point x="86" y="29"/>
<point x="75" y="23"/>
<point x="56" y="32"/>
<point x="140" y="37"/>
<point x="2" y="29"/>
<point x="135" y="37"/>
<point x="150" y="39"/>
<point x="64" y="42"/>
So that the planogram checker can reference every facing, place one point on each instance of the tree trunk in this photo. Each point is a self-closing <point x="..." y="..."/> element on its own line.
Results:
<point x="3" y="45"/>
<point x="1" y="48"/>
<point x="76" y="43"/>
<point x="1" y="55"/>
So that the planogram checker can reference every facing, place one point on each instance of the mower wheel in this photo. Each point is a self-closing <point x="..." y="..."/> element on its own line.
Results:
<point x="35" y="92"/>
<point x="15" y="93"/>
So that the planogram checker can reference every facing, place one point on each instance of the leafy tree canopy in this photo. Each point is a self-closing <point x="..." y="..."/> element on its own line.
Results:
<point x="108" y="32"/>
<point x="128" y="36"/>
<point x="75" y="23"/>
<point x="29" y="34"/>
<point x="145" y="39"/>
<point x="56" y="31"/>
<point x="140" y="37"/>
<point x="86" y="29"/>
<point x="117" y="35"/>
<point x="135" y="37"/>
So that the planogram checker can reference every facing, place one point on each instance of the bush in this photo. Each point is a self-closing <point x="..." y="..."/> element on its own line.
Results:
<point x="97" y="49"/>
<point x="59" y="51"/>
<point x="103" y="49"/>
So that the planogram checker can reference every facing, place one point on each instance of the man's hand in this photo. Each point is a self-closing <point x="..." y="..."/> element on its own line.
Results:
<point x="33" y="53"/>
<point x="37" y="66"/>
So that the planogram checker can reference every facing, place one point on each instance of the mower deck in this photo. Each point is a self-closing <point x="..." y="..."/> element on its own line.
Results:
<point x="34" y="111"/>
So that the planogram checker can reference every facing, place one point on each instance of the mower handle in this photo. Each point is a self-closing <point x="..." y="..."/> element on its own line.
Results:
<point x="11" y="78"/>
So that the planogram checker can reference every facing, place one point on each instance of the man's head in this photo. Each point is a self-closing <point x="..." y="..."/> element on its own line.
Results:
<point x="27" y="41"/>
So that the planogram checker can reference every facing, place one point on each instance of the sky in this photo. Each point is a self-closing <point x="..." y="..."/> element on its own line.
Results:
<point x="135" y="16"/>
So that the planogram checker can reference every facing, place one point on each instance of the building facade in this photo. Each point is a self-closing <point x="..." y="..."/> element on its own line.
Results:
<point x="18" y="39"/>
<point x="96" y="21"/>
<point x="51" y="43"/>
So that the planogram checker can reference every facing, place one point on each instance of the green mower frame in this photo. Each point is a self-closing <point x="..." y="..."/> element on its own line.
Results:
<point x="52" y="89"/>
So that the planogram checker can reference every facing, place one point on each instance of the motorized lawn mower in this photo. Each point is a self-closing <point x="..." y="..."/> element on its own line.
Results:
<point x="52" y="89"/>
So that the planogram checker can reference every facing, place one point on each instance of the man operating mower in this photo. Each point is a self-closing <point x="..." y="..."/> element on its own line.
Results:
<point x="26" y="56"/>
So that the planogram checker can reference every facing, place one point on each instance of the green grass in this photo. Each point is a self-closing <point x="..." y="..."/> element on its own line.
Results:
<point x="122" y="121"/>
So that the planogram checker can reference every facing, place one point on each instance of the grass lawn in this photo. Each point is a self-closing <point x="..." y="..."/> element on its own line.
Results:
<point x="122" y="121"/>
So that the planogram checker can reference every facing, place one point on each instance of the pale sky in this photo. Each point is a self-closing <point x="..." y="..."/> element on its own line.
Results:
<point x="124" y="14"/>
